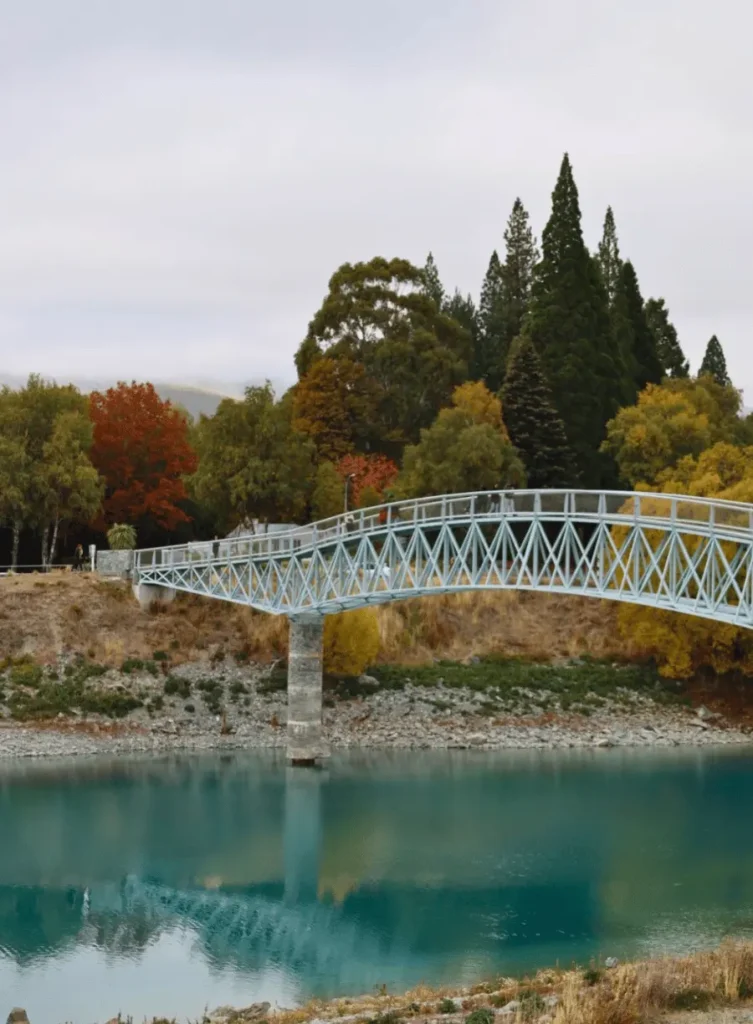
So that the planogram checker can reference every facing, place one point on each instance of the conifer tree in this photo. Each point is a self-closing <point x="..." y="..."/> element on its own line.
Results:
<point x="671" y="355"/>
<point x="641" y="342"/>
<point x="609" y="256"/>
<point x="568" y="322"/>
<point x="532" y="421"/>
<point x="491" y="342"/>
<point x="432" y="283"/>
<point x="521" y="258"/>
<point x="714" y="364"/>
<point x="463" y="310"/>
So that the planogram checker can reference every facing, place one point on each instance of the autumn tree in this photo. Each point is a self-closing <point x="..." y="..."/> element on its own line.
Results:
<point x="714" y="364"/>
<point x="378" y="314"/>
<point x="332" y="406"/>
<point x="669" y="350"/>
<point x="141" y="449"/>
<point x="253" y="464"/>
<point x="375" y="473"/>
<point x="677" y="418"/>
<point x="467" y="448"/>
<point x="532" y="420"/>
<point x="683" y="645"/>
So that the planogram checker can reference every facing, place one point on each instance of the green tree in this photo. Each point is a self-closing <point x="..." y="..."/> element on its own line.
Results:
<point x="69" y="487"/>
<point x="491" y="338"/>
<point x="467" y="448"/>
<point x="671" y="356"/>
<point x="432" y="283"/>
<point x="714" y="364"/>
<point x="329" y="492"/>
<point x="462" y="309"/>
<point x="521" y="257"/>
<point x="568" y="321"/>
<point x="608" y="256"/>
<point x="532" y="421"/>
<point x="252" y="464"/>
<point x="379" y="315"/>
<point x="648" y="369"/>
<point x="15" y="470"/>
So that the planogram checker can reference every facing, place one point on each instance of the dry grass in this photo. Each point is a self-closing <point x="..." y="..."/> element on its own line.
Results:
<point x="627" y="994"/>
<point x="61" y="612"/>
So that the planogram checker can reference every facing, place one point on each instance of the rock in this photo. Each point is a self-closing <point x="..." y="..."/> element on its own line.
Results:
<point x="611" y="962"/>
<point x="604" y="741"/>
<point x="17" y="1016"/>
<point x="551" y="1001"/>
<point x="512" y="1007"/>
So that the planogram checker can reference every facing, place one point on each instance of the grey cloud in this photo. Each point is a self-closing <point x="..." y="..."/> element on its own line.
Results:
<point x="180" y="179"/>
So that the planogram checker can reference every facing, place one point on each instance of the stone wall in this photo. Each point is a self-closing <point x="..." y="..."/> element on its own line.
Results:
<point x="115" y="563"/>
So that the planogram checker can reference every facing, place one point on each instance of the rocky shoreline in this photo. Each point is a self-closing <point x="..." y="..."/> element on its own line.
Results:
<point x="203" y="707"/>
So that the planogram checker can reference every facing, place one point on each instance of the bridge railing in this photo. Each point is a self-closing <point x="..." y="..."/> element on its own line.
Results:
<point x="585" y="506"/>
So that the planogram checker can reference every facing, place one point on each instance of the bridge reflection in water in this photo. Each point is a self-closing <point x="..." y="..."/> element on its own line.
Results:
<point x="384" y="869"/>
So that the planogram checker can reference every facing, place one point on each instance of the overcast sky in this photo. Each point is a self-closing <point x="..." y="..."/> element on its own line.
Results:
<point x="180" y="178"/>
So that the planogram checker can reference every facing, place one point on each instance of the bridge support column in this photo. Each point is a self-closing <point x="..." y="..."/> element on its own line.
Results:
<point x="148" y="594"/>
<point x="305" y="742"/>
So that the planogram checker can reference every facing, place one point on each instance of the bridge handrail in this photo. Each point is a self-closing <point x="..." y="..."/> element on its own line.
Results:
<point x="561" y="503"/>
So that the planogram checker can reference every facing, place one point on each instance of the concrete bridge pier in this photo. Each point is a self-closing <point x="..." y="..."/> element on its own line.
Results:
<point x="148" y="594"/>
<point x="305" y="740"/>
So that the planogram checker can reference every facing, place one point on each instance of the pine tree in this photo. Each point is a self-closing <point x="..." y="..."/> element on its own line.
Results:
<point x="462" y="309"/>
<point x="568" y="321"/>
<point x="532" y="421"/>
<point x="609" y="256"/>
<point x="517" y="273"/>
<point x="646" y="367"/>
<point x="491" y="343"/>
<point x="714" y="364"/>
<point x="669" y="350"/>
<point x="432" y="283"/>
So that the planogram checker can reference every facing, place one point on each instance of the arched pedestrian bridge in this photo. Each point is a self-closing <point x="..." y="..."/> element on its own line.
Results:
<point x="673" y="552"/>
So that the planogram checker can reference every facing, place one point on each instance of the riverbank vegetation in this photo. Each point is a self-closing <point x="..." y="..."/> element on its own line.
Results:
<point x="561" y="375"/>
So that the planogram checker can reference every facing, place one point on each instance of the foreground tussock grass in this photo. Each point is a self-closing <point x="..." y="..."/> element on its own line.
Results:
<point x="45" y="616"/>
<point x="626" y="994"/>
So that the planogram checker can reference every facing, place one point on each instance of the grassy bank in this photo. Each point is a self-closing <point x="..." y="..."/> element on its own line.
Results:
<point x="46" y="616"/>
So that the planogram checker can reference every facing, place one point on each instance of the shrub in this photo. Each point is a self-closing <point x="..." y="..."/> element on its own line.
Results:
<point x="483" y="1016"/>
<point x="131" y="665"/>
<point x="592" y="976"/>
<point x="190" y="708"/>
<point x="351" y="642"/>
<point x="447" y="1006"/>
<point x="121" y="537"/>
<point x="160" y="656"/>
<point x="26" y="674"/>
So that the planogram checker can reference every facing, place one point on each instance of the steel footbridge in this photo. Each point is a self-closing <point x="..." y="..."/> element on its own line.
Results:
<point x="674" y="552"/>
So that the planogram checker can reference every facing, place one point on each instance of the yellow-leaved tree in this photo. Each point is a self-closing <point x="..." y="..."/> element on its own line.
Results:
<point x="351" y="642"/>
<point x="682" y="645"/>
<point x="670" y="421"/>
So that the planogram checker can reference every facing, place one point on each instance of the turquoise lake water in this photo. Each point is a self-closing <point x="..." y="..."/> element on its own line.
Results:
<point x="162" y="886"/>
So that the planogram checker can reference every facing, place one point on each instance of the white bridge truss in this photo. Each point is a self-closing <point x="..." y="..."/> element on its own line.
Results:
<point x="679" y="553"/>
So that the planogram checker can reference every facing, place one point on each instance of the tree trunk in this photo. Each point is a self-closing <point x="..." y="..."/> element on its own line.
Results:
<point x="54" y="544"/>
<point x="45" y="535"/>
<point x="16" y="542"/>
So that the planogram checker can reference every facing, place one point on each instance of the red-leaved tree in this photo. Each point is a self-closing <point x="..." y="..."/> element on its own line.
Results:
<point x="141" y="448"/>
<point x="375" y="472"/>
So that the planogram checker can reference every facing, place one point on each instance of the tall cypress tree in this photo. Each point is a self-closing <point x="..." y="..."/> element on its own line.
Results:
<point x="432" y="283"/>
<point x="491" y="346"/>
<point x="521" y="257"/>
<point x="714" y="362"/>
<point x="671" y="355"/>
<point x="532" y="421"/>
<point x="568" y="321"/>
<point x="609" y="256"/>
<point x="640" y="341"/>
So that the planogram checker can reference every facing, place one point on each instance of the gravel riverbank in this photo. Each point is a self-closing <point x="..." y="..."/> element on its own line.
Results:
<point x="204" y="707"/>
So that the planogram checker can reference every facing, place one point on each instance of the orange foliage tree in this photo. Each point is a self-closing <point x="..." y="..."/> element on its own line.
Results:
<point x="331" y="405"/>
<point x="374" y="473"/>
<point x="140" y="446"/>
